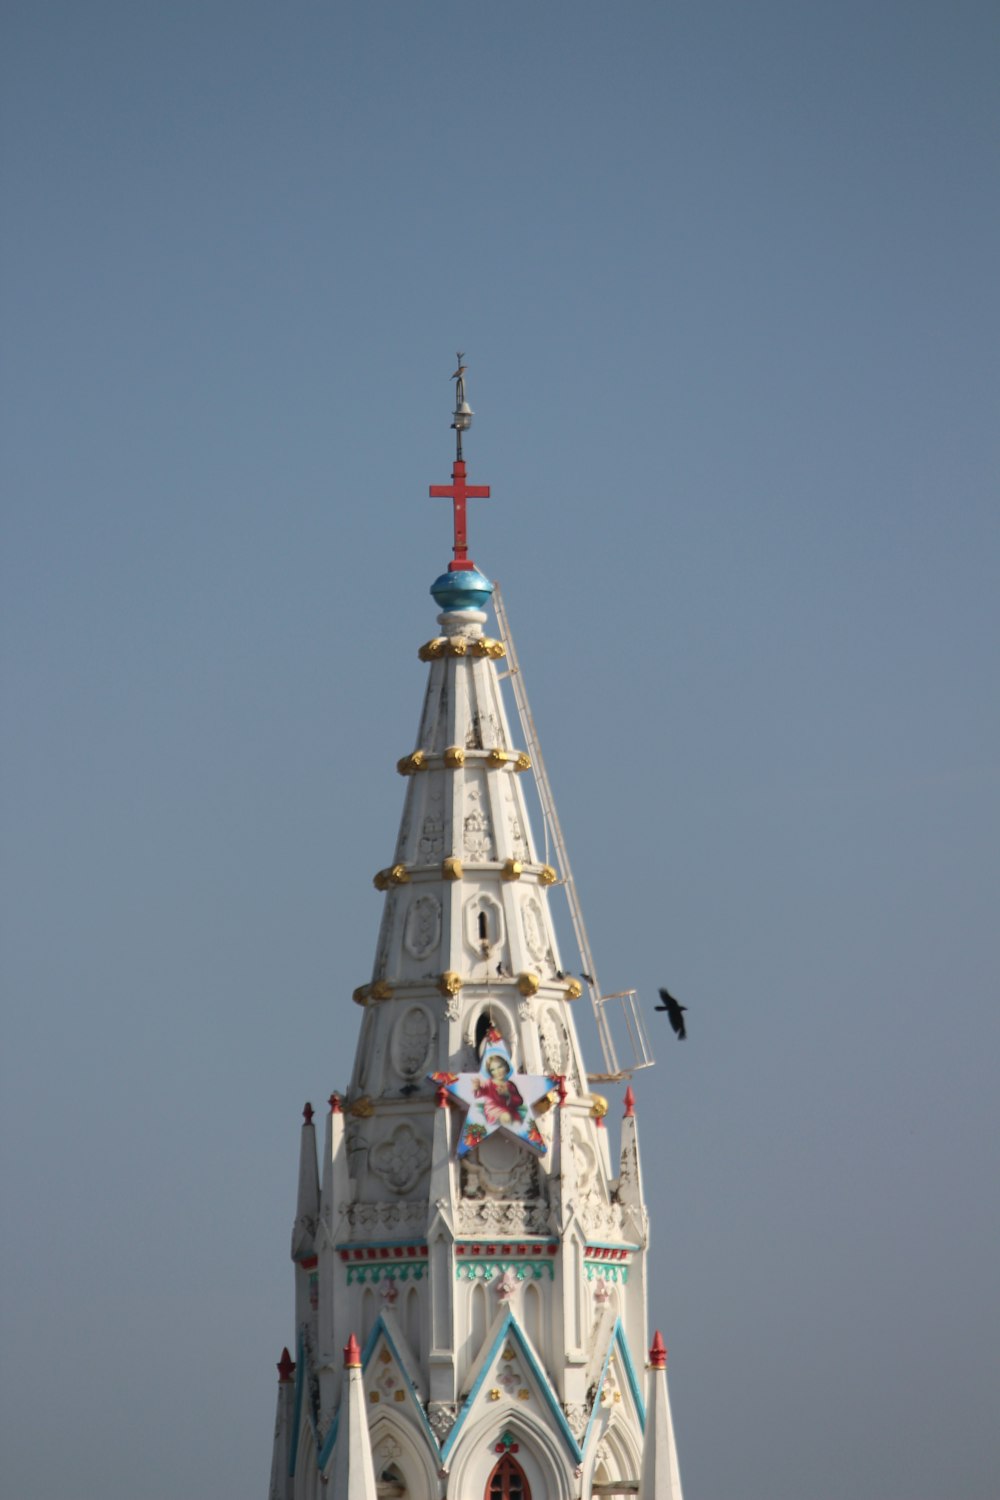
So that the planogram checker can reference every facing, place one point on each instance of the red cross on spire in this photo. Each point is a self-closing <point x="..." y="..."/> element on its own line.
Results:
<point x="458" y="491"/>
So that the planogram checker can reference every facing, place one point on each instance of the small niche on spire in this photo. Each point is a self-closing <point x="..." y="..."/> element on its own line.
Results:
<point x="484" y="925"/>
<point x="486" y="1024"/>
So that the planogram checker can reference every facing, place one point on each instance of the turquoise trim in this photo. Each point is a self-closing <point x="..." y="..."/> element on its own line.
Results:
<point x="510" y="1328"/>
<point x="489" y="1268"/>
<point x="610" y="1270"/>
<point x="379" y="1331"/>
<point x="300" y="1380"/>
<point x="323" y="1457"/>
<point x="390" y="1270"/>
<point x="617" y="1337"/>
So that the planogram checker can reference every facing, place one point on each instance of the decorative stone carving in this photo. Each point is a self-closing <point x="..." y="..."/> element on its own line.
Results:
<point x="492" y="1217"/>
<point x="533" y="927"/>
<point x="401" y="1160"/>
<point x="601" y="1220"/>
<point x="453" y="1009"/>
<point x="510" y="1377"/>
<point x="411" y="1042"/>
<point x="422" y="928"/>
<point x="577" y="1415"/>
<point x="585" y="1158"/>
<point x="553" y="1039"/>
<point x="507" y="1285"/>
<point x="517" y="1178"/>
<point x="431" y="844"/>
<point x="442" y="1416"/>
<point x="371" y="1216"/>
<point x="386" y="1452"/>
<point x="478" y="842"/>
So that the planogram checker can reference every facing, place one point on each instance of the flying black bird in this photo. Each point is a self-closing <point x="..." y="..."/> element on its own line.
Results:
<point x="675" y="1013"/>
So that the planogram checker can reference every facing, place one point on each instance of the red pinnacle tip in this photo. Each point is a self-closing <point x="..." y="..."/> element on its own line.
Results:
<point x="441" y="1097"/>
<point x="335" y="1104"/>
<point x="307" y="1114"/>
<point x="658" y="1353"/>
<point x="352" y="1354"/>
<point x="286" y="1367"/>
<point x="629" y="1103"/>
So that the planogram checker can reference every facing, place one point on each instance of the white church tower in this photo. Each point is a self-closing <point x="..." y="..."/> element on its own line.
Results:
<point x="470" y="1264"/>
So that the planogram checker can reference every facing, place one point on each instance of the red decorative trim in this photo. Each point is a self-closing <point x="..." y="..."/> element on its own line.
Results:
<point x="352" y="1354"/>
<point x="629" y="1103"/>
<point x="382" y="1252"/>
<point x="307" y="1114"/>
<point x="286" y="1367"/>
<point x="335" y="1106"/>
<point x="309" y="1262"/>
<point x="658" y="1353"/>
<point x="468" y="1248"/>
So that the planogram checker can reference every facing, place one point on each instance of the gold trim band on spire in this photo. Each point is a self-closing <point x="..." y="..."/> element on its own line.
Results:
<point x="368" y="994"/>
<point x="460" y="645"/>
<point x="394" y="875"/>
<point x="411" y="764"/>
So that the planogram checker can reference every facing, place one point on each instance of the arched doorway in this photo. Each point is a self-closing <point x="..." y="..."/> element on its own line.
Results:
<point x="507" y="1482"/>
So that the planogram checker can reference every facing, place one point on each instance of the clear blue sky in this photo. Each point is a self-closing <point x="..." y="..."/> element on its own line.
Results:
<point x="726" y="276"/>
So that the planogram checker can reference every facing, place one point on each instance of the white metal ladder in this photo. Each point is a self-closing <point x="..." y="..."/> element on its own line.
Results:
<point x="634" y="1024"/>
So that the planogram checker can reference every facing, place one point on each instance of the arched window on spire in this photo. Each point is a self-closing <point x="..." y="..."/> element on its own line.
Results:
<point x="483" y="1025"/>
<point x="507" y="1482"/>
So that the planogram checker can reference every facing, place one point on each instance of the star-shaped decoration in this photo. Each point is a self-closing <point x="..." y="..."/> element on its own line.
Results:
<point x="497" y="1098"/>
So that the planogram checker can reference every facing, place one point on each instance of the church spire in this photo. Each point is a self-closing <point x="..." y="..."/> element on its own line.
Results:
<point x="307" y="1206"/>
<point x="476" y="1239"/>
<point x="353" y="1474"/>
<point x="660" y="1478"/>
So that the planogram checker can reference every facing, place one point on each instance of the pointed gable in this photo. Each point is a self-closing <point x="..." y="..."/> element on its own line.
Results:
<point x="392" y="1383"/>
<point x="508" y="1379"/>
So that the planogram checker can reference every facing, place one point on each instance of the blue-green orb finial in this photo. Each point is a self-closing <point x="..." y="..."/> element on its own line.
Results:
<point x="464" y="588"/>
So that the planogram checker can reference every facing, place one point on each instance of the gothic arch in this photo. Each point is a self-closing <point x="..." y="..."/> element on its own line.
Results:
<point x="393" y="1446"/>
<point x="369" y="1312"/>
<point x="508" y="1481"/>
<point x="616" y="1455"/>
<point x="533" y="1312"/>
<point x="543" y="1455"/>
<point x="491" y="1012"/>
<point x="478" y="1320"/>
<point x="413" y="1322"/>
